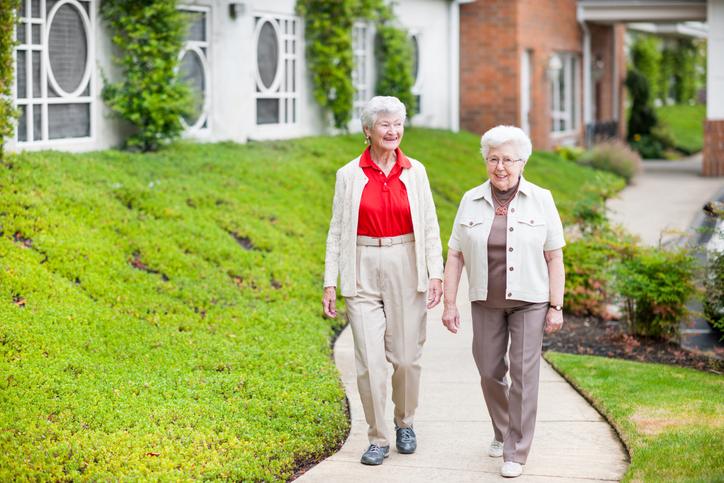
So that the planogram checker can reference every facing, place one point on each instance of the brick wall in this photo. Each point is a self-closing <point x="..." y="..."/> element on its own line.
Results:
<point x="493" y="36"/>
<point x="489" y="65"/>
<point x="713" y="164"/>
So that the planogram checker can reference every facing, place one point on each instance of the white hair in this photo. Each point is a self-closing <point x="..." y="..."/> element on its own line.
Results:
<point x="379" y="106"/>
<point x="500" y="135"/>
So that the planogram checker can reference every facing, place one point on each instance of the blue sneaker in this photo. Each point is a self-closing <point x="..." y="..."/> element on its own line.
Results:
<point x="375" y="455"/>
<point x="406" y="440"/>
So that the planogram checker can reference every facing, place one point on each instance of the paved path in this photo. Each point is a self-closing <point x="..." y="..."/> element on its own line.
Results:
<point x="666" y="195"/>
<point x="572" y="442"/>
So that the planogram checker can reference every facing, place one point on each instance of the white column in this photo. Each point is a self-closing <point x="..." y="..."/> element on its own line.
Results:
<point x="454" y="68"/>
<point x="715" y="61"/>
<point x="587" y="88"/>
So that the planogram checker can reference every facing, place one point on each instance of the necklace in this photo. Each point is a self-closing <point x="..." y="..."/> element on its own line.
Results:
<point x="502" y="210"/>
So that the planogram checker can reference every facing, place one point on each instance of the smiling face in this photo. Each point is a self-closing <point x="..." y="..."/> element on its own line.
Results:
<point x="504" y="177"/>
<point x="386" y="133"/>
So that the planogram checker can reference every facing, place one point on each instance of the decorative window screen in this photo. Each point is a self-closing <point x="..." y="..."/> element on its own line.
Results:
<point x="277" y="64"/>
<point x="416" y="71"/>
<point x="564" y="100"/>
<point x="360" y="73"/>
<point x="194" y="65"/>
<point x="54" y="67"/>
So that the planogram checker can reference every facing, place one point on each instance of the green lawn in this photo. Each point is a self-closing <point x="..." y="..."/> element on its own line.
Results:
<point x="160" y="314"/>
<point x="685" y="123"/>
<point x="671" y="419"/>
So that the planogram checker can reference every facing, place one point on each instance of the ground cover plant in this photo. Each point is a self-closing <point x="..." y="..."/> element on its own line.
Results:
<point x="159" y="312"/>
<point x="669" y="418"/>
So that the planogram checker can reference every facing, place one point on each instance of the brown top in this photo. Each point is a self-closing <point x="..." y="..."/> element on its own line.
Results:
<point x="497" y="257"/>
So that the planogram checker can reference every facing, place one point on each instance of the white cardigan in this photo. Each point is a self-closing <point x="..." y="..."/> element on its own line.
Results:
<point x="342" y="237"/>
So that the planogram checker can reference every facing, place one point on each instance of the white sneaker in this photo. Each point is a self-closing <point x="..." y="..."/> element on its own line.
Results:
<point x="496" y="449"/>
<point x="511" y="469"/>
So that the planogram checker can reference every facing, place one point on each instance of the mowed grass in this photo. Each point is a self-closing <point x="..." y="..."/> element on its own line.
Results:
<point x="160" y="314"/>
<point x="670" y="418"/>
<point x="685" y="123"/>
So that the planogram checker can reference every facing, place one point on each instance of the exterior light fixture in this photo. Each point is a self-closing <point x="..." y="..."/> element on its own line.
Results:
<point x="555" y="64"/>
<point x="237" y="9"/>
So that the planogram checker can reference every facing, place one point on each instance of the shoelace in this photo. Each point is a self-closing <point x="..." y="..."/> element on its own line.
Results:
<point x="374" y="449"/>
<point x="406" y="434"/>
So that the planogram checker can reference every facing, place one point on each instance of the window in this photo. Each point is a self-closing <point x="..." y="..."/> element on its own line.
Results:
<point x="54" y="67"/>
<point x="277" y="62"/>
<point x="564" y="100"/>
<point x="416" y="72"/>
<point x="194" y="65"/>
<point x="361" y="71"/>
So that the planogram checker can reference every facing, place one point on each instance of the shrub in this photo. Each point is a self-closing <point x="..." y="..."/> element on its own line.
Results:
<point x="714" y="291"/>
<point x="328" y="29"/>
<point x="642" y="117"/>
<point x="615" y="157"/>
<point x="151" y="96"/>
<point x="647" y="146"/>
<point x="590" y="256"/>
<point x="647" y="59"/>
<point x="8" y="113"/>
<point x="571" y="153"/>
<point x="655" y="286"/>
<point x="393" y="51"/>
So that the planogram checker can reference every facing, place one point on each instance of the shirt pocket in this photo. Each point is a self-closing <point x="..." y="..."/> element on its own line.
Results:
<point x="533" y="230"/>
<point x="472" y="222"/>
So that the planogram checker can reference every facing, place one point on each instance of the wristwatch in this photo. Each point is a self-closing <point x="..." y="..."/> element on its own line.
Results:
<point x="557" y="307"/>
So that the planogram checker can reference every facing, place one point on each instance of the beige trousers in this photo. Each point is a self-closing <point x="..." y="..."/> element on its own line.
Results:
<point x="388" y="318"/>
<point x="512" y="408"/>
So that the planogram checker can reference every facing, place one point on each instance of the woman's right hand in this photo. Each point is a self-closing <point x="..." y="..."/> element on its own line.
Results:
<point x="329" y="301"/>
<point x="451" y="318"/>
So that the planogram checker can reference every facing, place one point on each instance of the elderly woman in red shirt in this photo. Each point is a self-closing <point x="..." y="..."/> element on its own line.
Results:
<point x="384" y="243"/>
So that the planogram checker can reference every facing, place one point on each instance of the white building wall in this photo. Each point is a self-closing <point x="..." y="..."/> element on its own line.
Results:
<point x="429" y="19"/>
<point x="715" y="61"/>
<point x="232" y="62"/>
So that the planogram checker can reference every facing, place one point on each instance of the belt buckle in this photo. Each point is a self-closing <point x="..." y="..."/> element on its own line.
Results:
<point x="387" y="244"/>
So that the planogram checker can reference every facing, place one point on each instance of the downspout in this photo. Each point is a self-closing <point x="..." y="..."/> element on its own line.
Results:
<point x="587" y="117"/>
<point x="454" y="68"/>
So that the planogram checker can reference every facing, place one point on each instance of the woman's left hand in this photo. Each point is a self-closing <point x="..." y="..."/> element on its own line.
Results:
<point x="434" y="294"/>
<point x="554" y="320"/>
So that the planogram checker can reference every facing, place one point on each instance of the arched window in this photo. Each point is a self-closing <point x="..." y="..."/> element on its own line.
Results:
<point x="277" y="41"/>
<point x="361" y="76"/>
<point x="416" y="71"/>
<point x="54" y="67"/>
<point x="195" y="70"/>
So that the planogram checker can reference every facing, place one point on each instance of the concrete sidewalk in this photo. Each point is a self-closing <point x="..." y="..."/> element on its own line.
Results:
<point x="572" y="442"/>
<point x="667" y="195"/>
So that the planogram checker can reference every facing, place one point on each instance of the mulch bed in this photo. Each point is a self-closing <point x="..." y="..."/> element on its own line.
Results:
<point x="607" y="338"/>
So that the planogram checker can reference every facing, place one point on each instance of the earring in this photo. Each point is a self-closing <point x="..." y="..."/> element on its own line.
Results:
<point x="367" y="140"/>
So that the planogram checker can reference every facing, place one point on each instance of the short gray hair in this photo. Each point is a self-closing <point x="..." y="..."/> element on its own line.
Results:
<point x="379" y="106"/>
<point x="500" y="135"/>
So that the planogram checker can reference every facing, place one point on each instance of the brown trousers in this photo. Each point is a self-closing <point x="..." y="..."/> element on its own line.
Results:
<point x="388" y="318"/>
<point x="513" y="407"/>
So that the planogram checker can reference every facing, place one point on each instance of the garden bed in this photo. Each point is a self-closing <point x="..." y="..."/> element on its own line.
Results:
<point x="608" y="338"/>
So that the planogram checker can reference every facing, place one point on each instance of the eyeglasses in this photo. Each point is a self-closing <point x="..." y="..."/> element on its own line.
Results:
<point x="506" y="161"/>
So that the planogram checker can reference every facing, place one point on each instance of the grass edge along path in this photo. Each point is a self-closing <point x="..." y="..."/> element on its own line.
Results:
<point x="160" y="315"/>
<point x="670" y="419"/>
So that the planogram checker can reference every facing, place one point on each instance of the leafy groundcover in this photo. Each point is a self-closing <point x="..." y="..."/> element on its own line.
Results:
<point x="160" y="315"/>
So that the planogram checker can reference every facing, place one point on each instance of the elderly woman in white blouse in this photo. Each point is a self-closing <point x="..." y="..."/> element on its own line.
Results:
<point x="509" y="237"/>
<point x="384" y="243"/>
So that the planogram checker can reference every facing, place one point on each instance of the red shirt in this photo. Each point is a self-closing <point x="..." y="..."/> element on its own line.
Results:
<point x="384" y="209"/>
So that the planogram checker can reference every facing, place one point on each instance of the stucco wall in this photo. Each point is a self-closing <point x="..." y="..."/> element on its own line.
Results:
<point x="231" y="56"/>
